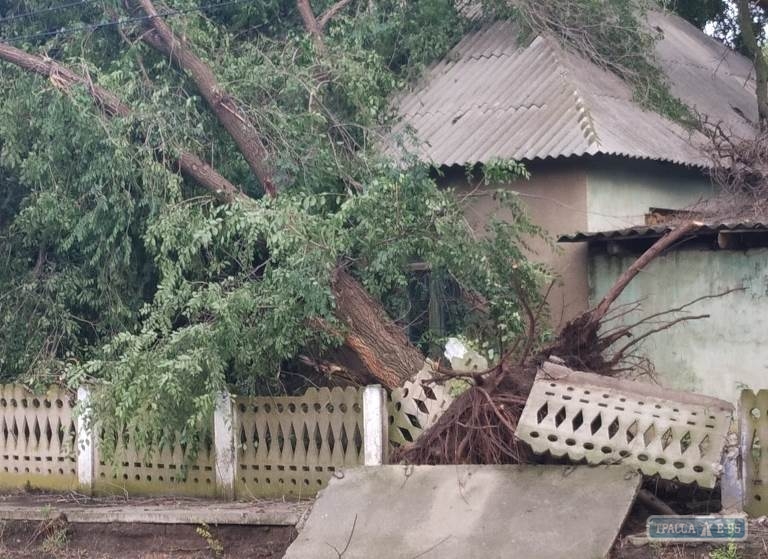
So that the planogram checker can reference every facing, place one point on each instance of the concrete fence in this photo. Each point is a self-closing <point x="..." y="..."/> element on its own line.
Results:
<point x="258" y="446"/>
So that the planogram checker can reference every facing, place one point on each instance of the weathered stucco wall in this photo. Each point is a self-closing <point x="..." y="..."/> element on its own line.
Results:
<point x="620" y="191"/>
<point x="716" y="356"/>
<point x="583" y="194"/>
<point x="555" y="197"/>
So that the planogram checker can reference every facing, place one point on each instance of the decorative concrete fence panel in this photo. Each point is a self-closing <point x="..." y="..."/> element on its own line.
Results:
<point x="292" y="445"/>
<point x="597" y="419"/>
<point x="414" y="407"/>
<point x="286" y="446"/>
<point x="167" y="470"/>
<point x="37" y="439"/>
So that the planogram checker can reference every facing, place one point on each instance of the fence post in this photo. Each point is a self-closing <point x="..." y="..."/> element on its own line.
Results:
<point x="85" y="449"/>
<point x="224" y="446"/>
<point x="731" y="483"/>
<point x="375" y="426"/>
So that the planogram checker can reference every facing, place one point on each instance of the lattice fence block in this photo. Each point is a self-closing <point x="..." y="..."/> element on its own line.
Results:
<point x="597" y="419"/>
<point x="292" y="445"/>
<point x="753" y="428"/>
<point x="414" y="407"/>
<point x="37" y="436"/>
<point x="164" y="471"/>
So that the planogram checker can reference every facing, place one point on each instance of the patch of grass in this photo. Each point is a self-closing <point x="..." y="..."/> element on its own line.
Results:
<point x="730" y="551"/>
<point x="55" y="540"/>
<point x="214" y="544"/>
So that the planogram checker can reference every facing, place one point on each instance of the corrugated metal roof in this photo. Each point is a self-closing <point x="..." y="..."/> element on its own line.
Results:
<point x="641" y="231"/>
<point x="491" y="98"/>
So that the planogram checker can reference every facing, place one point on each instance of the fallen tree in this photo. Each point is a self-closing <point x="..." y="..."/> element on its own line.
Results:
<point x="240" y="276"/>
<point x="366" y="328"/>
<point x="310" y="247"/>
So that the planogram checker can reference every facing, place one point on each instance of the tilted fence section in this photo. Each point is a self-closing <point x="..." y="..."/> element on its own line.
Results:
<point x="414" y="407"/>
<point x="598" y="419"/>
<point x="256" y="447"/>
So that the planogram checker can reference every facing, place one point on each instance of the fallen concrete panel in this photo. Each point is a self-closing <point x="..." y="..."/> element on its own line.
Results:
<point x="584" y="416"/>
<point x="462" y="512"/>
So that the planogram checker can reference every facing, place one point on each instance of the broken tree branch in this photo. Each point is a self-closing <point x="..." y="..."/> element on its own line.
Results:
<point x="622" y="351"/>
<point x="311" y="24"/>
<point x="371" y="334"/>
<point x="332" y="12"/>
<point x="368" y="331"/>
<point x="314" y="25"/>
<point x="248" y="140"/>
<point x="65" y="79"/>
<point x="628" y="275"/>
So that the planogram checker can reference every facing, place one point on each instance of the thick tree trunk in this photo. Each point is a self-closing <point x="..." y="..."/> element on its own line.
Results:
<point x="226" y="109"/>
<point x="311" y="24"/>
<point x="65" y="79"/>
<point x="379" y="343"/>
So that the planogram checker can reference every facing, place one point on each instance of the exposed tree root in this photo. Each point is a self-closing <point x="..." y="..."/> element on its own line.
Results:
<point x="479" y="426"/>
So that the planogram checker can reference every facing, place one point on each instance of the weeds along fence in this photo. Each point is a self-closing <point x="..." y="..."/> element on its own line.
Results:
<point x="288" y="446"/>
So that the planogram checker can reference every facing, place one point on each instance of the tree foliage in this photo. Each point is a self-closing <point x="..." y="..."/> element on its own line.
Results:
<point x="615" y="36"/>
<point x="118" y="271"/>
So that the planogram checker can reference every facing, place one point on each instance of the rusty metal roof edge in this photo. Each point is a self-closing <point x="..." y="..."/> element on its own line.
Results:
<point x="651" y="231"/>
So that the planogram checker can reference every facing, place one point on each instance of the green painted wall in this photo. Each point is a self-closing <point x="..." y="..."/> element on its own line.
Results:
<point x="620" y="191"/>
<point x="715" y="356"/>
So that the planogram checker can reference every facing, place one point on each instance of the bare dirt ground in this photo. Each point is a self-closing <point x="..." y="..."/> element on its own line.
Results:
<point x="56" y="538"/>
<point x="753" y="549"/>
<point x="34" y="540"/>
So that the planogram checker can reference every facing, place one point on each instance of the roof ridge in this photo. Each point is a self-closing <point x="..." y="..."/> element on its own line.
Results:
<point x="586" y="121"/>
<point x="583" y="113"/>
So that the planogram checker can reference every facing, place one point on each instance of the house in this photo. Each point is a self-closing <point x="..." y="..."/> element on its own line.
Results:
<point x="718" y="355"/>
<point x="597" y="159"/>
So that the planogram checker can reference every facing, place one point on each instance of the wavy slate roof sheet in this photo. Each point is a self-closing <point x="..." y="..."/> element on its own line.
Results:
<point x="490" y="97"/>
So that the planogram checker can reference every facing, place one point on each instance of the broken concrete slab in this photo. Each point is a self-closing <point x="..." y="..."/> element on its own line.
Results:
<point x="446" y="512"/>
<point x="603" y="420"/>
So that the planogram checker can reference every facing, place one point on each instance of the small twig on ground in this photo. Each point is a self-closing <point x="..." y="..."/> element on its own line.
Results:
<point x="340" y="554"/>
<point x="432" y="547"/>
